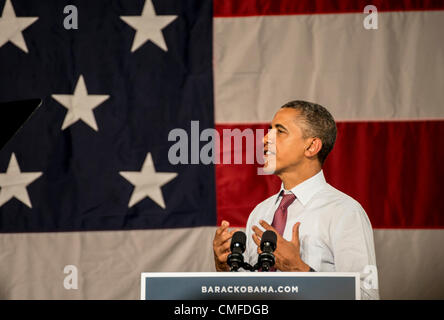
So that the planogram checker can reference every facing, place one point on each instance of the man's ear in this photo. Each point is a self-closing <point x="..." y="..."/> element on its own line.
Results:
<point x="313" y="148"/>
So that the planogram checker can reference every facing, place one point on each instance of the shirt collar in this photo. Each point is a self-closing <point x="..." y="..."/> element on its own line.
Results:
<point x="306" y="189"/>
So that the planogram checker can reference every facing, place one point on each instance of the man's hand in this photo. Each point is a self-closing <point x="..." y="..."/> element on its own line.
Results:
<point x="287" y="253"/>
<point x="221" y="246"/>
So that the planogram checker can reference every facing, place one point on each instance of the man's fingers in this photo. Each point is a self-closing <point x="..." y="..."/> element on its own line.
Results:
<point x="295" y="237"/>
<point x="222" y="234"/>
<point x="224" y="257"/>
<point x="256" y="240"/>
<point x="223" y="239"/>
<point x="222" y="249"/>
<point x="266" y="226"/>
<point x="223" y="227"/>
<point x="257" y="231"/>
<point x="257" y="236"/>
<point x="226" y="236"/>
<point x="222" y="242"/>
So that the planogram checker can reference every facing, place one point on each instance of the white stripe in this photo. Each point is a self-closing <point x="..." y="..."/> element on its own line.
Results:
<point x="109" y="263"/>
<point x="393" y="73"/>
<point x="410" y="262"/>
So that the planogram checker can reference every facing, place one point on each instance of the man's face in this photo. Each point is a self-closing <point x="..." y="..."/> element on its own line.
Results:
<point x="284" y="145"/>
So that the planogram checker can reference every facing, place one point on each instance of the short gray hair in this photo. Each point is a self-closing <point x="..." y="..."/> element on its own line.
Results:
<point x="318" y="123"/>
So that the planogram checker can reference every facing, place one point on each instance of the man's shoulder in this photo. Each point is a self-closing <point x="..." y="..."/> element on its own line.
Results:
<point x="338" y="197"/>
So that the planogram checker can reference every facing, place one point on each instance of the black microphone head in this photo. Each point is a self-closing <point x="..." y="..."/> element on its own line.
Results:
<point x="238" y="240"/>
<point x="270" y="238"/>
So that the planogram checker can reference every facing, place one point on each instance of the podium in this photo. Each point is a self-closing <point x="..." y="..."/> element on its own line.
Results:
<point x="250" y="286"/>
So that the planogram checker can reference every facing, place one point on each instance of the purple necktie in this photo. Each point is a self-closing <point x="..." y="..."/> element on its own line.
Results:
<point x="280" y="216"/>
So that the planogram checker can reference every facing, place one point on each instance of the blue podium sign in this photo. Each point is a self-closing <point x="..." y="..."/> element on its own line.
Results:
<point x="250" y="286"/>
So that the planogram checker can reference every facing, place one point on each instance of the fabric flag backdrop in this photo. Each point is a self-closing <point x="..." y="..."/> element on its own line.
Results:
<point x="87" y="181"/>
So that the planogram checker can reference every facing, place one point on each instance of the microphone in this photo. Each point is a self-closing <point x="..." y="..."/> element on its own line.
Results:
<point x="268" y="245"/>
<point x="236" y="259"/>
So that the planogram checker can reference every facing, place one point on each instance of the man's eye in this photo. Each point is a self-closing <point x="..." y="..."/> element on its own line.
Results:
<point x="280" y="131"/>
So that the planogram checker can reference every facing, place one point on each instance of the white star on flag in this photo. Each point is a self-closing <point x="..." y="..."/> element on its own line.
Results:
<point x="11" y="27"/>
<point x="13" y="183"/>
<point x="80" y="105"/>
<point x="148" y="26"/>
<point x="147" y="182"/>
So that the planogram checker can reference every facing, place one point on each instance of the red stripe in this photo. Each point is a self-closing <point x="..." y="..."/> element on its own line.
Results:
<point x="234" y="8"/>
<point x="393" y="169"/>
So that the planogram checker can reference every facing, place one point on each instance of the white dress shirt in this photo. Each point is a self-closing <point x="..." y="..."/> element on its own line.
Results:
<point x="335" y="233"/>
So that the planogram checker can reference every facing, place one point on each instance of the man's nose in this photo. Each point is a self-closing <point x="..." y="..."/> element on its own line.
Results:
<point x="268" y="138"/>
<point x="265" y="139"/>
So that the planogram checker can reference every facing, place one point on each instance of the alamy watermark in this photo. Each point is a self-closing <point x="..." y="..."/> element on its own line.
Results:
<point x="370" y="281"/>
<point x="371" y="20"/>
<point x="233" y="146"/>
<point x="71" y="281"/>
<point x="71" y="21"/>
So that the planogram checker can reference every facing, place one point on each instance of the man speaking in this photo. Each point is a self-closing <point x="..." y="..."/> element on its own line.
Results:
<point x="318" y="227"/>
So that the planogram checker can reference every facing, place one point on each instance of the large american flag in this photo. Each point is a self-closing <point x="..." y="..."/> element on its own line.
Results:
<point x="87" y="181"/>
